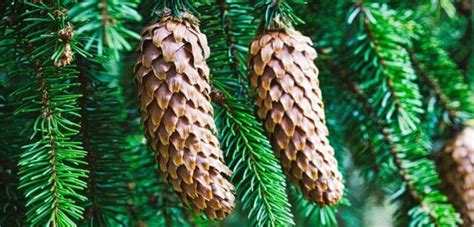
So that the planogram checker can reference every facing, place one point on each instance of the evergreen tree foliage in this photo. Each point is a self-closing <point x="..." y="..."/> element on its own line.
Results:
<point x="50" y="170"/>
<point x="257" y="174"/>
<point x="103" y="24"/>
<point x="12" y="208"/>
<point x="103" y="138"/>
<point x="435" y="69"/>
<point x="395" y="77"/>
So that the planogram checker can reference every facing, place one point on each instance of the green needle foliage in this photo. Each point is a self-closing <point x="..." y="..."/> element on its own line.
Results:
<point x="279" y="10"/>
<point x="386" y="114"/>
<point x="383" y="72"/>
<point x="384" y="67"/>
<point x="103" y="24"/>
<point x="50" y="170"/>
<point x="394" y="78"/>
<point x="12" y="212"/>
<point x="259" y="180"/>
<point x="262" y="192"/>
<point x="310" y="215"/>
<point x="443" y="83"/>
<point x="11" y="208"/>
<point x="103" y="138"/>
<point x="384" y="157"/>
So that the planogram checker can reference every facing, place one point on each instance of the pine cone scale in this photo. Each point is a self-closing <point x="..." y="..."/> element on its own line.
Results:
<point x="178" y="116"/>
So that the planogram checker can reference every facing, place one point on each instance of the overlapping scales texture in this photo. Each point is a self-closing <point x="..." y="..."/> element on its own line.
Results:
<point x="289" y="101"/>
<point x="456" y="167"/>
<point x="177" y="113"/>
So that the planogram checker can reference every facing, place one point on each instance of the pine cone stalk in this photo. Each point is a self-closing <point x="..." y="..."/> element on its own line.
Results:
<point x="176" y="110"/>
<point x="456" y="168"/>
<point x="285" y="80"/>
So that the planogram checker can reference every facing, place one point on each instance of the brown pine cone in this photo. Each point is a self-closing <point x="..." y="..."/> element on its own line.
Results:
<point x="289" y="101"/>
<point x="456" y="168"/>
<point x="173" y="80"/>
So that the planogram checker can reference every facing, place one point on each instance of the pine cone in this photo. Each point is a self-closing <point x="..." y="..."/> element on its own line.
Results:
<point x="174" y="89"/>
<point x="289" y="101"/>
<point x="456" y="168"/>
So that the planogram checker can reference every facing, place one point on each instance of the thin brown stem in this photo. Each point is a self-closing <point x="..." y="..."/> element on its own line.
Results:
<point x="46" y="113"/>
<point x="105" y="19"/>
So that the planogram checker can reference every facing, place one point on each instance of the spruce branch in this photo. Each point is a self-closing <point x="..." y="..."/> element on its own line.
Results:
<point x="388" y="79"/>
<point x="442" y="80"/>
<point x="50" y="169"/>
<point x="47" y="28"/>
<point x="104" y="25"/>
<point x="371" y="113"/>
<point x="260" y="184"/>
<point x="364" y="145"/>
<point x="415" y="185"/>
<point x="259" y="188"/>
<point x="55" y="153"/>
<point x="392" y="73"/>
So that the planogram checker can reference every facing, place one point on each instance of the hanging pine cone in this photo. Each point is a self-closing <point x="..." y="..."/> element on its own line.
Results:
<point x="456" y="167"/>
<point x="289" y="101"/>
<point x="174" y="89"/>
